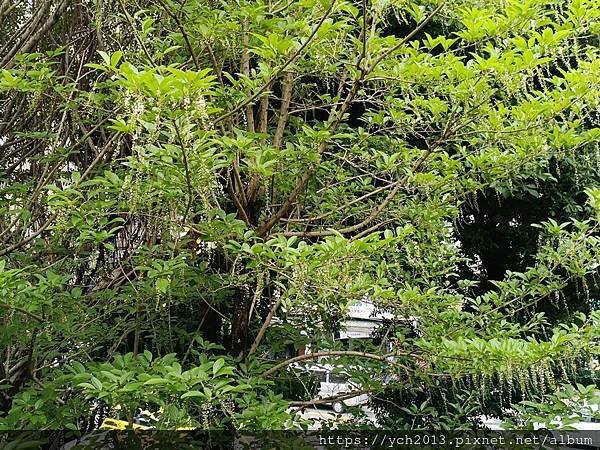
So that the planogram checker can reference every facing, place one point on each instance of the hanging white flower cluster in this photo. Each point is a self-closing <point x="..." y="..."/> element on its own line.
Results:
<point x="204" y="118"/>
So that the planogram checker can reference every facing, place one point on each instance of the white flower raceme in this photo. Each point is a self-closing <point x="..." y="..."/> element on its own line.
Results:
<point x="138" y="108"/>
<point x="201" y="107"/>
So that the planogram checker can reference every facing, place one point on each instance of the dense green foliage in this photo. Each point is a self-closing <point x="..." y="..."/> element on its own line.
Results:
<point x="191" y="191"/>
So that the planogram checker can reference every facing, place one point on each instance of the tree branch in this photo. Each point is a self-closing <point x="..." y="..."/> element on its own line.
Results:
<point x="280" y="70"/>
<point x="264" y="229"/>
<point x="183" y="33"/>
<point x="286" y="96"/>
<point x="317" y="355"/>
<point x="327" y="400"/>
<point x="42" y="228"/>
<point x="187" y="172"/>
<point x="263" y="329"/>
<point x="22" y="310"/>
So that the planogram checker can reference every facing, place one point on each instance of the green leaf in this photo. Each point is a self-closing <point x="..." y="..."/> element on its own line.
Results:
<point x="105" y="57"/>
<point x="115" y="58"/>
<point x="155" y="381"/>
<point x="162" y="285"/>
<point x="148" y="355"/>
<point x="193" y="394"/>
<point x="217" y="366"/>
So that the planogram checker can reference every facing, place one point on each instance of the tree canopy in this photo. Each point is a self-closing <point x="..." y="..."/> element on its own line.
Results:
<point x="191" y="191"/>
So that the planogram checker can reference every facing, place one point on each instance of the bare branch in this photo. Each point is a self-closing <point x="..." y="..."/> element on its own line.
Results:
<point x="308" y="356"/>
